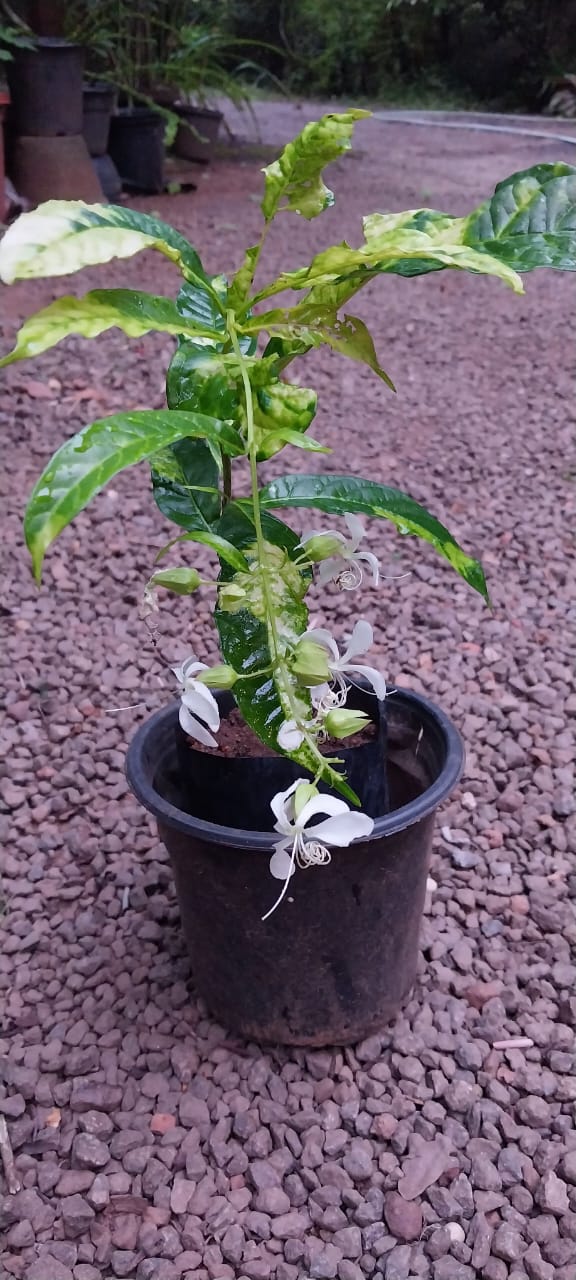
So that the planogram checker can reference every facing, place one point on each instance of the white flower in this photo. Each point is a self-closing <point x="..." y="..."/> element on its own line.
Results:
<point x="340" y="667"/>
<point x="290" y="737"/>
<point x="198" y="706"/>
<point x="345" y="566"/>
<point x="303" y="844"/>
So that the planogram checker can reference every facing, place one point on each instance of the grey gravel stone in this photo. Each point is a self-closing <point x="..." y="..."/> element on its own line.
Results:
<point x="552" y="1194"/>
<point x="47" y="1268"/>
<point x="358" y="1160"/>
<point x="507" y="1243"/>
<point x="89" y="1152"/>
<point x="450" y="1268"/>
<point x="403" y="1217"/>
<point x="272" y="1200"/>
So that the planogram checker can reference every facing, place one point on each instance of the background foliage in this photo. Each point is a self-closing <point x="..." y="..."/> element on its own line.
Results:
<point x="500" y="51"/>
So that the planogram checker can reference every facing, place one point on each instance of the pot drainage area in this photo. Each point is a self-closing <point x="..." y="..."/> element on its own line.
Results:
<point x="148" y="1142"/>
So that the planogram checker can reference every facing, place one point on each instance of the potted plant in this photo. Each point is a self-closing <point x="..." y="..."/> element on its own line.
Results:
<point x="122" y="42"/>
<point x="300" y="880"/>
<point x="202" y="70"/>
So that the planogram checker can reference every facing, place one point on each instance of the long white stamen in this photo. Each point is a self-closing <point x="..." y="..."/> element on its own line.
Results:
<point x="286" y="882"/>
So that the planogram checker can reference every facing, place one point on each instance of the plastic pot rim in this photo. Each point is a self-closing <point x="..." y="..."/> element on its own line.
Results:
<point x="139" y="781"/>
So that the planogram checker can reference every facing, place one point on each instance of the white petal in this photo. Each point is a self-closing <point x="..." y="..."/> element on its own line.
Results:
<point x="320" y="636"/>
<point x="280" y="804"/>
<point x="329" y="569"/>
<point x="194" y="729"/>
<point x="281" y="862"/>
<point x="356" y="528"/>
<point x="373" y="676"/>
<point x="372" y="560"/>
<point x="290" y="737"/>
<point x="330" y="805"/>
<point x="202" y="703"/>
<point x="360" y="640"/>
<point x="342" y="830"/>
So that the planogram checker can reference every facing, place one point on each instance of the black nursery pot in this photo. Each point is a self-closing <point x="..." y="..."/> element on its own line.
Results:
<point x="46" y="89"/>
<point x="98" y="104"/>
<point x="136" y="146"/>
<point x="200" y="145"/>
<point x="336" y="960"/>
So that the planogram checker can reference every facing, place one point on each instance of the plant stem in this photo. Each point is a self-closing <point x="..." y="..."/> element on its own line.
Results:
<point x="283" y="676"/>
<point x="226" y="478"/>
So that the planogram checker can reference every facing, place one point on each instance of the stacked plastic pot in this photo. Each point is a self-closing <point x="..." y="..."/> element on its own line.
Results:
<point x="47" y="154"/>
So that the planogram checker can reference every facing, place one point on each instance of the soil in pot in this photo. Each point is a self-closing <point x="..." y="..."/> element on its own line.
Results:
<point x="234" y="784"/>
<point x="338" y="958"/>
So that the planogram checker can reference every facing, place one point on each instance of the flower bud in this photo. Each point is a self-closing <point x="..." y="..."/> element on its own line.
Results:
<point x="342" y="723"/>
<point x="305" y="792"/>
<point x="231" y="596"/>
<point x="182" y="580"/>
<point x="309" y="663"/>
<point x="322" y="545"/>
<point x="219" y="677"/>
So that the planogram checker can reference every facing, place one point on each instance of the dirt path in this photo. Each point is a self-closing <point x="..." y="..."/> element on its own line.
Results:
<point x="148" y="1144"/>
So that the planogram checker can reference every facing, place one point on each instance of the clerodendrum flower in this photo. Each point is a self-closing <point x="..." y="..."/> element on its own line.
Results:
<point x="303" y="844"/>
<point x="342" y="666"/>
<point x="198" y="706"/>
<point x="343" y="562"/>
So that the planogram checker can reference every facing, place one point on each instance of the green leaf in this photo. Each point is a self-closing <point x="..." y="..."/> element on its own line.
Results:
<point x="351" y="338"/>
<point x="126" y="309"/>
<point x="286" y="348"/>
<point x="293" y="181"/>
<point x="339" y="494"/>
<point x="223" y="548"/>
<point x="396" y="247"/>
<point x="185" y="479"/>
<point x="62" y="236"/>
<point x="85" y="463"/>
<point x="209" y="309"/>
<point x="201" y="379"/>
<point x="530" y="221"/>
<point x="203" y="308"/>
<point x="275" y="441"/>
<point x="281" y="412"/>
<point x="312" y="323"/>
<point x="241" y="283"/>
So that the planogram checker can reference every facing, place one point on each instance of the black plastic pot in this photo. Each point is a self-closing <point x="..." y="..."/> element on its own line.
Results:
<point x="136" y="147"/>
<point x="46" y="89"/>
<point x="199" y="145"/>
<point x="338" y="958"/>
<point x="98" y="105"/>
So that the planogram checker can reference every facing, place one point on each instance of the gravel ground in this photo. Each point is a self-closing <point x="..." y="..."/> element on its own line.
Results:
<point x="148" y="1143"/>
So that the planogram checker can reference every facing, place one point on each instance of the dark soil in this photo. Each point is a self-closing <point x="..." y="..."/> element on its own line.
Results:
<point x="236" y="738"/>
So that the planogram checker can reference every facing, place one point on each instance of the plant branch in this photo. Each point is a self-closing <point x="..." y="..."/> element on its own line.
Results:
<point x="226" y="478"/>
